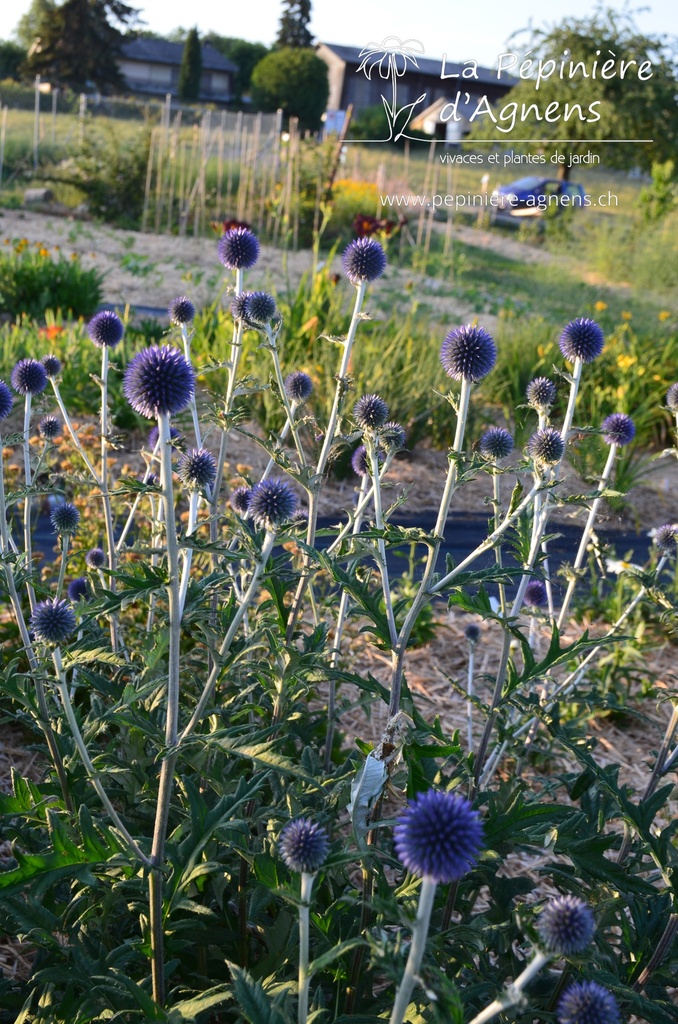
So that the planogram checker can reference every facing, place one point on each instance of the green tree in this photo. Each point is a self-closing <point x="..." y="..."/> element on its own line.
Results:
<point x="32" y="24"/>
<point x="191" y="67"/>
<point x="243" y="53"/>
<point x="294" y="21"/>
<point x="12" y="56"/>
<point x="294" y="80"/>
<point x="79" y="43"/>
<point x="629" y="108"/>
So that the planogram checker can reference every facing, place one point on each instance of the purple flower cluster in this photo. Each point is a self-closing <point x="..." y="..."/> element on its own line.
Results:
<point x="271" y="503"/>
<point x="468" y="353"/>
<point x="582" y="339"/>
<point x="439" y="836"/>
<point x="618" y="429"/>
<point x="298" y="386"/>
<point x="29" y="377"/>
<point x="546" y="446"/>
<point x="6" y="400"/>
<point x="65" y="518"/>
<point x="541" y="393"/>
<point x="159" y="380"/>
<point x="106" y="329"/>
<point x="566" y="925"/>
<point x="496" y="443"/>
<point x="363" y="260"/>
<point x="587" y="1002"/>
<point x="53" y="621"/>
<point x="238" y="249"/>
<point x="181" y="311"/>
<point x="304" y="845"/>
<point x="198" y="468"/>
<point x="370" y="412"/>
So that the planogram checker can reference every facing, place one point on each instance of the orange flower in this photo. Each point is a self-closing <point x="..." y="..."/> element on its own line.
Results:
<point x="663" y="315"/>
<point x="626" y="315"/>
<point x="600" y="306"/>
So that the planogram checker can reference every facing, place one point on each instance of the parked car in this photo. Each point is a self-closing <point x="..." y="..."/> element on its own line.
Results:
<point x="533" y="197"/>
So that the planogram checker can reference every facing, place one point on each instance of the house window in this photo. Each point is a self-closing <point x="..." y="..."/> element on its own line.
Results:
<point x="219" y="83"/>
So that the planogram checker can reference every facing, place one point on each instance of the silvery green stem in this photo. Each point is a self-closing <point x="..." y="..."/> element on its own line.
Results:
<point x="105" y="496"/>
<point x="194" y="406"/>
<point x="422" y="595"/>
<point x="74" y="437"/>
<point x="381" y="547"/>
<point x="62" y="568"/>
<point x="496" y="498"/>
<point x="513" y="993"/>
<point x="188" y="553"/>
<point x="283" y="434"/>
<point x="28" y="479"/>
<point x="259" y="567"/>
<point x="586" y="535"/>
<point x="419" y="935"/>
<point x="469" y="693"/>
<point x="86" y="760"/>
<point x="137" y="499"/>
<point x="171" y="717"/>
<point x="156" y="520"/>
<point x="236" y="349"/>
<point x="363" y="502"/>
<point x="272" y="340"/>
<point x="306" y="889"/>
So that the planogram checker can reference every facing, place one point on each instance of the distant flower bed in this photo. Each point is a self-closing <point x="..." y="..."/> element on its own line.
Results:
<point x="34" y="279"/>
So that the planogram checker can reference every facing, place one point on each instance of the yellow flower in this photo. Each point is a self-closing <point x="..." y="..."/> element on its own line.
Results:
<point x="600" y="306"/>
<point x="640" y="371"/>
<point x="625" y="361"/>
<point x="663" y="315"/>
<point x="656" y="377"/>
<point x="626" y="315"/>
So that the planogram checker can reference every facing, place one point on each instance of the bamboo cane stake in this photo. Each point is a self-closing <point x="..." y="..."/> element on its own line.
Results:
<point x="427" y="179"/>
<point x="220" y="164"/>
<point x="149" y="174"/>
<point x="174" y="149"/>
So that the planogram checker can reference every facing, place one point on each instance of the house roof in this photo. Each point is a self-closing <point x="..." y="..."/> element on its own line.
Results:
<point x="426" y="65"/>
<point x="160" y="51"/>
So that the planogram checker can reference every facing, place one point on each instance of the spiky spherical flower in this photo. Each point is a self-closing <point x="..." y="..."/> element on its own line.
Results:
<point x="29" y="377"/>
<point x="95" y="558"/>
<point x="238" y="249"/>
<point x="260" y="308"/>
<point x="666" y="537"/>
<point x="198" y="468"/>
<point x="496" y="443"/>
<point x="360" y="464"/>
<point x="240" y="500"/>
<point x="106" y="329"/>
<point x="52" y="365"/>
<point x="370" y="412"/>
<point x="566" y="925"/>
<point x="672" y="398"/>
<point x="271" y="503"/>
<point x="78" y="589"/>
<point x="439" y="836"/>
<point x="582" y="339"/>
<point x="541" y="393"/>
<point x="159" y="380"/>
<point x="298" y="386"/>
<point x="6" y="400"/>
<point x="239" y="306"/>
<point x="535" y="593"/>
<point x="181" y="311"/>
<point x="154" y="435"/>
<point x="618" y="429"/>
<point x="586" y="1002"/>
<point x="363" y="260"/>
<point x="65" y="518"/>
<point x="472" y="633"/>
<point x="469" y="353"/>
<point x="304" y="845"/>
<point x="546" y="446"/>
<point x="299" y="519"/>
<point x="52" y="621"/>
<point x="49" y="427"/>
<point x="393" y="436"/>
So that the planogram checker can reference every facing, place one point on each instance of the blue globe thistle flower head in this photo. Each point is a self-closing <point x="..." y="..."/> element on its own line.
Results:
<point x="106" y="329"/>
<point x="496" y="443"/>
<point x="49" y="427"/>
<point x="468" y="353"/>
<point x="439" y="836"/>
<point x="304" y="845"/>
<point x="618" y="429"/>
<point x="154" y="435"/>
<point x="158" y="381"/>
<point x="566" y="925"/>
<point x="586" y="1002"/>
<point x="239" y="306"/>
<point x="370" y="412"/>
<point x="271" y="503"/>
<point x="672" y="398"/>
<point x="181" y="311"/>
<point x="299" y="519"/>
<point x="361" y="464"/>
<point x="363" y="260"/>
<point x="582" y="339"/>
<point x="393" y="436"/>
<point x="29" y="377"/>
<point x="198" y="468"/>
<point x="238" y="249"/>
<point x="6" y="400"/>
<point x="298" y="386"/>
<point x="52" y="365"/>
<point x="260" y="308"/>
<point x="78" y="589"/>
<point x="53" y="621"/>
<point x="240" y="500"/>
<point x="666" y="536"/>
<point x="536" y="594"/>
<point x="95" y="558"/>
<point x="472" y="633"/>
<point x="546" y="446"/>
<point x="65" y="518"/>
<point x="541" y="393"/>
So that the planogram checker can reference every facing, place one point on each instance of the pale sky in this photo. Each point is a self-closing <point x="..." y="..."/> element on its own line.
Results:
<point x="465" y="31"/>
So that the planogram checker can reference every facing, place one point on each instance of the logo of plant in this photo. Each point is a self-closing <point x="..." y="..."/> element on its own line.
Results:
<point x="391" y="57"/>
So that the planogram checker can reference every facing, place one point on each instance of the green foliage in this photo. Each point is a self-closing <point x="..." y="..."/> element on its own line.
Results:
<point x="12" y="56"/>
<point x="34" y="22"/>
<point x="371" y="123"/>
<point x="294" y="80"/>
<point x="191" y="67"/>
<point x="294" y="22"/>
<point x="32" y="280"/>
<point x="243" y="53"/>
<point x="659" y="198"/>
